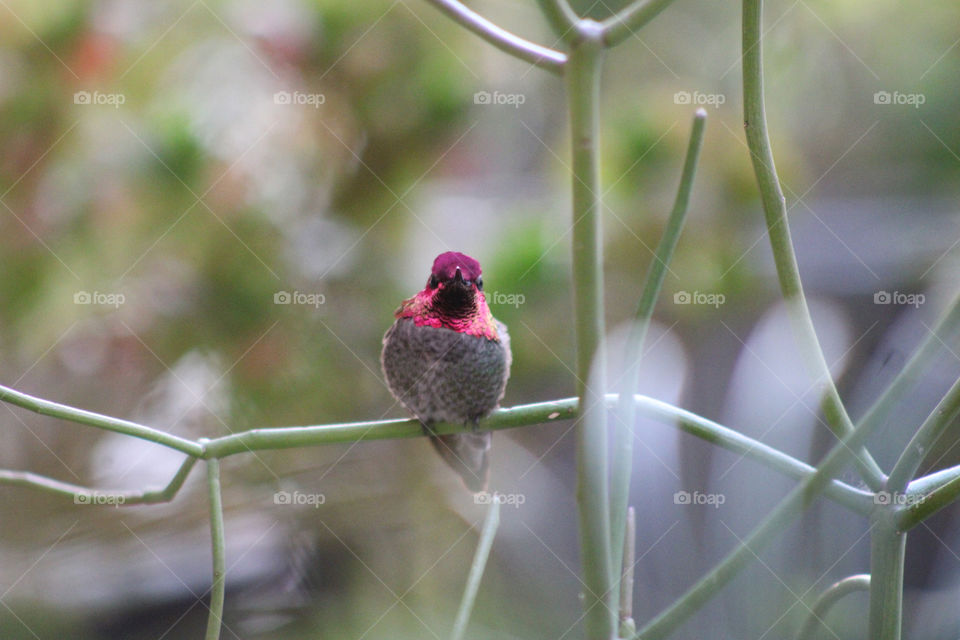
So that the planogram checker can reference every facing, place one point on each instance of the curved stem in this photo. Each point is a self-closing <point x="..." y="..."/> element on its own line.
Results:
<point x="85" y="495"/>
<point x="774" y="207"/>
<point x="923" y="502"/>
<point x="786" y="512"/>
<point x="623" y="424"/>
<point x="64" y="412"/>
<point x="920" y="444"/>
<point x="218" y="547"/>
<point x="631" y="18"/>
<point x="535" y="54"/>
<point x="480" y="557"/>
<point x="833" y="594"/>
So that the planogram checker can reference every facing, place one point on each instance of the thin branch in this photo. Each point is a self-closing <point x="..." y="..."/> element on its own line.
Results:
<point x="80" y="416"/>
<point x="923" y="440"/>
<point x="535" y="54"/>
<point x="508" y="418"/>
<point x="477" y="568"/>
<point x="945" y="331"/>
<point x="778" y="228"/>
<point x="833" y="594"/>
<point x="85" y="495"/>
<point x="623" y="430"/>
<point x="928" y="495"/>
<point x="782" y="516"/>
<point x="562" y="19"/>
<point x="218" y="548"/>
<point x="630" y="19"/>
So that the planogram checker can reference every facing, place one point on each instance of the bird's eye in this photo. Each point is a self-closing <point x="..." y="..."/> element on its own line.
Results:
<point x="479" y="282"/>
<point x="433" y="282"/>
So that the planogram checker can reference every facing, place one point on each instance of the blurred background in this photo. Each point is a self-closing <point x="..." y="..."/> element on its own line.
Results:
<point x="210" y="210"/>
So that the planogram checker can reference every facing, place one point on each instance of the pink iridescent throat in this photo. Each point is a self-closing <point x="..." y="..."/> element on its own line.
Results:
<point x="420" y="308"/>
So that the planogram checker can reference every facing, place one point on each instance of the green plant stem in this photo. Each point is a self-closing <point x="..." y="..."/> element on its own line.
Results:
<point x="945" y="331"/>
<point x="477" y="568"/>
<point x="593" y="499"/>
<point x="778" y="228"/>
<point x="928" y="495"/>
<point x="535" y="54"/>
<point x="630" y="19"/>
<point x="887" y="546"/>
<point x="64" y="412"/>
<point x="218" y="546"/>
<point x="626" y="408"/>
<point x="833" y="594"/>
<point x="560" y="17"/>
<point x="786" y="512"/>
<point x="861" y="502"/>
<point x="291" y="437"/>
<point x="84" y="495"/>
<point x="926" y="436"/>
<point x="541" y="412"/>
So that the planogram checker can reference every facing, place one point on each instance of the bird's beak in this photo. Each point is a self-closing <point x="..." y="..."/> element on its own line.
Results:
<point x="458" y="277"/>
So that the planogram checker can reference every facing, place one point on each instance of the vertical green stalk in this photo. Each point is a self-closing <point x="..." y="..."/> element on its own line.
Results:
<point x="778" y="227"/>
<point x="887" y="546"/>
<point x="593" y="499"/>
<point x="626" y="406"/>
<point x="215" y="618"/>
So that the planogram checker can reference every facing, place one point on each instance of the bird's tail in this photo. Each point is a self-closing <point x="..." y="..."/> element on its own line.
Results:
<point x="468" y="454"/>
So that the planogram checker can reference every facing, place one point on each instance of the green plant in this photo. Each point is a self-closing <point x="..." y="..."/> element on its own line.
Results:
<point x="602" y="490"/>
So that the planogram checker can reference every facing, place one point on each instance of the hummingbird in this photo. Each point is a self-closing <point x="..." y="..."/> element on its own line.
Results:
<point x="447" y="359"/>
